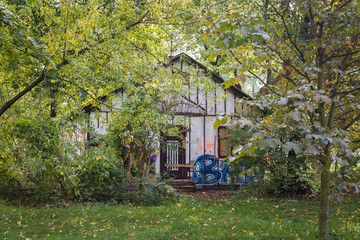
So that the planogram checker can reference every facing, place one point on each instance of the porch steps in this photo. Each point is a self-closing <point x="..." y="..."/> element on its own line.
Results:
<point x="183" y="185"/>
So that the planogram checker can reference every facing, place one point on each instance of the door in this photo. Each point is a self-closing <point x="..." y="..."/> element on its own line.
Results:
<point x="173" y="153"/>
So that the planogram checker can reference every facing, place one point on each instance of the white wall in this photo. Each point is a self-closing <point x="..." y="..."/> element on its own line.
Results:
<point x="196" y="137"/>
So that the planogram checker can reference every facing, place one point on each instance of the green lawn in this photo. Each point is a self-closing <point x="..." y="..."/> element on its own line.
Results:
<point x="187" y="218"/>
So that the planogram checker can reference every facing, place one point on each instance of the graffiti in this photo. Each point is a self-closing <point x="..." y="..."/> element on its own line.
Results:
<point x="208" y="147"/>
<point x="208" y="170"/>
<point x="209" y="143"/>
<point x="130" y="158"/>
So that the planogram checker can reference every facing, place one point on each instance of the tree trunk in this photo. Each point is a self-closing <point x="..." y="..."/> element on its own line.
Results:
<point x="324" y="197"/>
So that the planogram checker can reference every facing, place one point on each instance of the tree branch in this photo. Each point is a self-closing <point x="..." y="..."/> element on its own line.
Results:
<point x="301" y="55"/>
<point x="138" y="21"/>
<point x="354" y="120"/>
<point x="41" y="78"/>
<point x="9" y="103"/>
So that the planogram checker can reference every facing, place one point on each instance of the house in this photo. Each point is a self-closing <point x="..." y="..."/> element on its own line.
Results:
<point x="200" y="107"/>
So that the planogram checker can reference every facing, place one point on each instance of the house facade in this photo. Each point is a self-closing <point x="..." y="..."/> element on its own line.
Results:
<point x="200" y="107"/>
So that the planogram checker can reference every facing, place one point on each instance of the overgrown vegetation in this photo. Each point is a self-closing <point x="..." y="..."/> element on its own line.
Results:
<point x="43" y="166"/>
<point x="278" y="173"/>
<point x="57" y="56"/>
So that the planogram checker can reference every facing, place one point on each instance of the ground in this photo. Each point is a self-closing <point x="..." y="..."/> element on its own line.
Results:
<point x="214" y="195"/>
<point x="204" y="215"/>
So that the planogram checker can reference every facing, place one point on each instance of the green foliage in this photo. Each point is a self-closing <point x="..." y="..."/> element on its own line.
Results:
<point x="98" y="175"/>
<point x="150" y="191"/>
<point x="305" y="54"/>
<point x="143" y="120"/>
<point x="42" y="165"/>
<point x="290" y="176"/>
<point x="38" y="161"/>
<point x="278" y="173"/>
<point x="34" y="156"/>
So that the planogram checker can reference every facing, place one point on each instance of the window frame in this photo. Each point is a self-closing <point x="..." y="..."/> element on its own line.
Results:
<point x="222" y="141"/>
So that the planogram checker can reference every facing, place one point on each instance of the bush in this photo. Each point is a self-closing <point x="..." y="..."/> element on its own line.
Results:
<point x="39" y="164"/>
<point x="35" y="159"/>
<point x="150" y="192"/>
<point x="98" y="175"/>
<point x="290" y="176"/>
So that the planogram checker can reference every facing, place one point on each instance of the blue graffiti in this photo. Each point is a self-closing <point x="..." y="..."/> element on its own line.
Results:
<point x="208" y="170"/>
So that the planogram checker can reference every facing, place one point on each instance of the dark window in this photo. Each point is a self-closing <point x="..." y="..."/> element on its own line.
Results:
<point x="224" y="149"/>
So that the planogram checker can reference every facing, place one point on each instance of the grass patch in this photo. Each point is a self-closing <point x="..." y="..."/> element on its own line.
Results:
<point x="187" y="218"/>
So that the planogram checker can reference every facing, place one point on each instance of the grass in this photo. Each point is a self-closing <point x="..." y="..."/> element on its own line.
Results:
<point x="187" y="218"/>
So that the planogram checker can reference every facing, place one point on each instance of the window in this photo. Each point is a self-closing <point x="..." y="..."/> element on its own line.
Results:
<point x="224" y="149"/>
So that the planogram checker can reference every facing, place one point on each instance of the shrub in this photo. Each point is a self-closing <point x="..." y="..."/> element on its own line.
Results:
<point x="38" y="163"/>
<point x="290" y="176"/>
<point x="150" y="192"/>
<point x="35" y="159"/>
<point x="98" y="175"/>
<point x="285" y="175"/>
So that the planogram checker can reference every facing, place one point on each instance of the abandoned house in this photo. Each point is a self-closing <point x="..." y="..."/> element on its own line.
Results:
<point x="202" y="109"/>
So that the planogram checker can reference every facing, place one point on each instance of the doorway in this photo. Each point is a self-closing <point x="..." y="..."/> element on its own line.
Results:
<point x="172" y="156"/>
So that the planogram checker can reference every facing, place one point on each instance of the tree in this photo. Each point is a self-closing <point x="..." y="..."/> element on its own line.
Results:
<point x="57" y="56"/>
<point x="146" y="116"/>
<point x="306" y="54"/>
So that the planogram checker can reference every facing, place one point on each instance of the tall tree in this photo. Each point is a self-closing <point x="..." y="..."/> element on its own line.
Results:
<point x="57" y="56"/>
<point x="306" y="53"/>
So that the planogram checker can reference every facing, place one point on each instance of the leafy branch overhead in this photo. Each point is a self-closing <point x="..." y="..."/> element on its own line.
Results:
<point x="78" y="42"/>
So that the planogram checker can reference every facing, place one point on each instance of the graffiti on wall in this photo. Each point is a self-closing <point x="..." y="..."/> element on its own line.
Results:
<point x="131" y="160"/>
<point x="208" y="147"/>
<point x="208" y="170"/>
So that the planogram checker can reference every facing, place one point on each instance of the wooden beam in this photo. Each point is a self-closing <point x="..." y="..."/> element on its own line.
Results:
<point x="191" y="165"/>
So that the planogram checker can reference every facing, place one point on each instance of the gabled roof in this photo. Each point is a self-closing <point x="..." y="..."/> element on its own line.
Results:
<point x="183" y="56"/>
<point x="185" y="106"/>
<point x="195" y="108"/>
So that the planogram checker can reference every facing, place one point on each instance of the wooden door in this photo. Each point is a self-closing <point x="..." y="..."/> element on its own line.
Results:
<point x="173" y="153"/>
